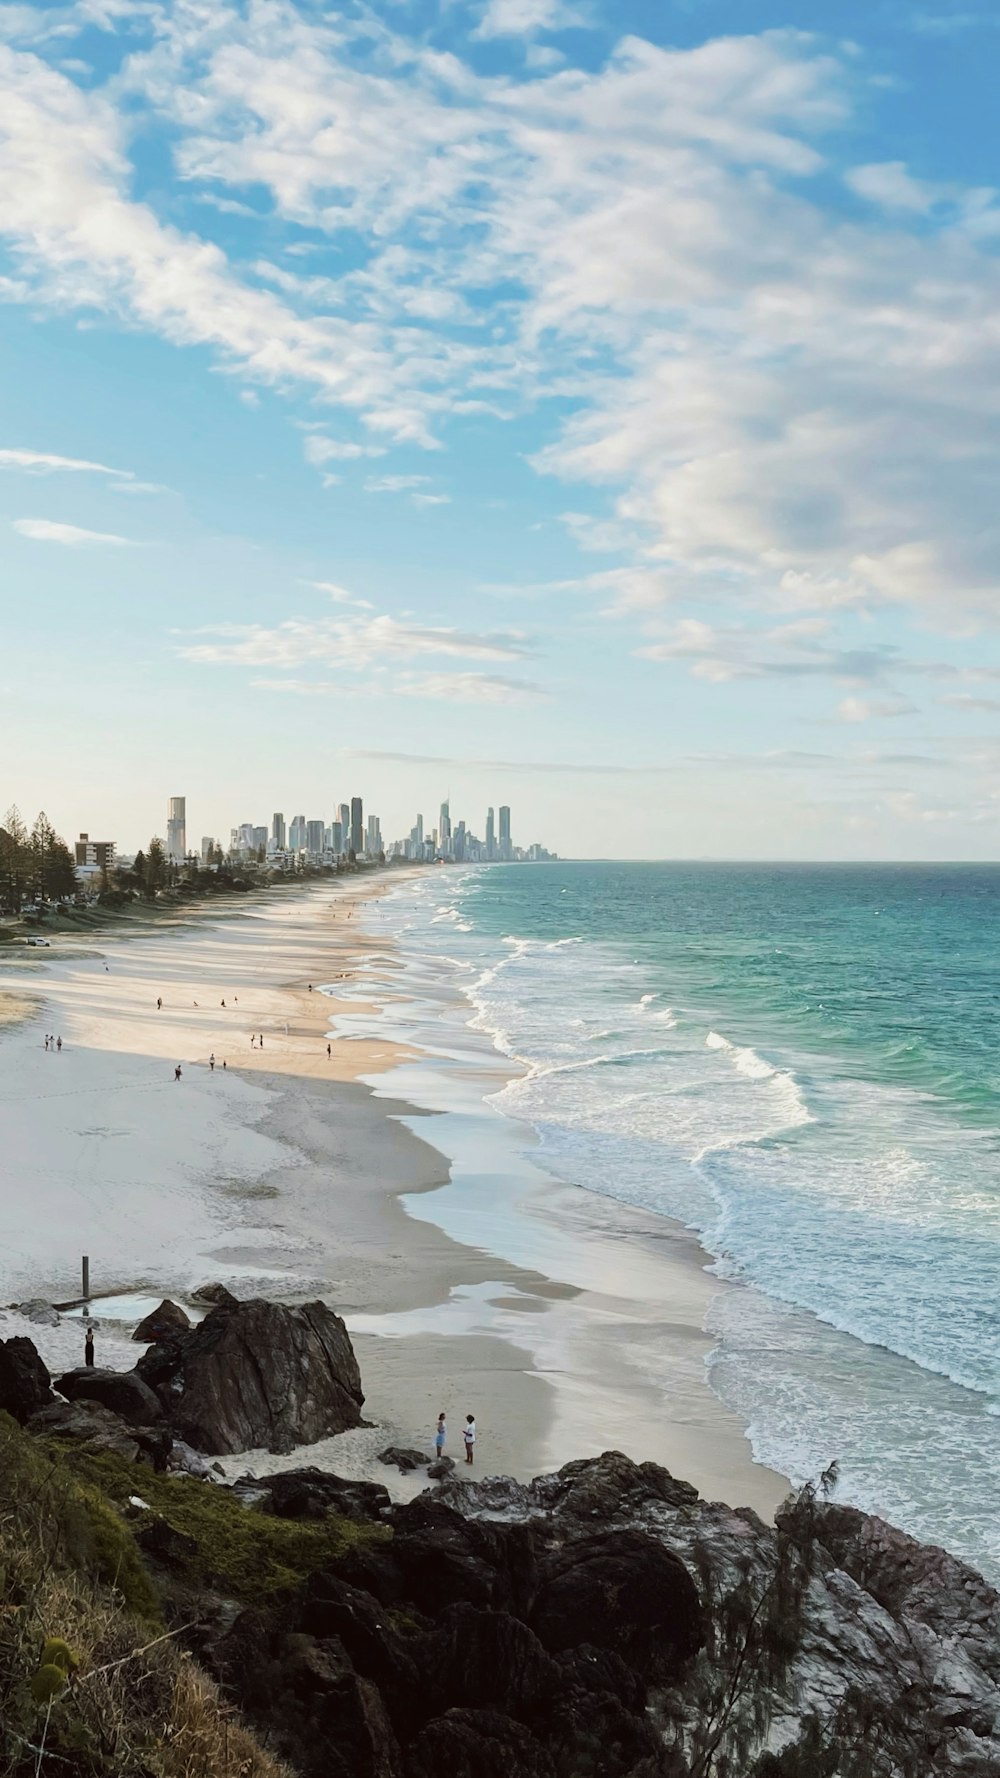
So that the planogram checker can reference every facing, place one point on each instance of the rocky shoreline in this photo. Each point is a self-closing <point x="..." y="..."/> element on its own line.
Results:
<point x="601" y="1622"/>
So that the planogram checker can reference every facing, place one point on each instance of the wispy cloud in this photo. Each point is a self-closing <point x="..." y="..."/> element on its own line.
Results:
<point x="470" y="688"/>
<point x="350" y="643"/>
<point x="71" y="536"/>
<point x="48" y="463"/>
<point x="339" y="594"/>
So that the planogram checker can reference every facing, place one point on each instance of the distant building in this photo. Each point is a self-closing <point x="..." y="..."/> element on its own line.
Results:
<point x="344" y="817"/>
<point x="98" y="853"/>
<point x="444" y="831"/>
<point x="491" y="837"/>
<point x="278" y="832"/>
<point x="177" y="829"/>
<point x="260" y="839"/>
<point x="315" y="836"/>
<point x="297" y="834"/>
<point x="373" y="836"/>
<point x="337" y="838"/>
<point x="357" y="826"/>
<point x="458" y="843"/>
<point x="207" y="848"/>
<point x="504" y="846"/>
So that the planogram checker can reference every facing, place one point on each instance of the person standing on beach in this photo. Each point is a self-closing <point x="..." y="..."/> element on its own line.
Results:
<point x="469" y="1435"/>
<point x="440" y="1436"/>
<point x="46" y="1043"/>
<point x="177" y="1072"/>
<point x="260" y="1041"/>
<point x="211" y="1062"/>
<point x="329" y="1050"/>
<point x="88" y="1347"/>
<point x="253" y="1043"/>
<point x="58" y="1043"/>
<point x="159" y="1005"/>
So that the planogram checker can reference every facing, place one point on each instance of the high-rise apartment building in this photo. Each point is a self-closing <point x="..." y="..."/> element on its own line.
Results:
<point x="177" y="829"/>
<point x="336" y="837"/>
<point x="278" y="832"/>
<point x="491" y="836"/>
<point x="444" y="831"/>
<point x="344" y="817"/>
<point x="373" y="836"/>
<point x="314" y="838"/>
<point x="297" y="834"/>
<point x="260" y="839"/>
<point x="357" y="825"/>
<point x="504" y="846"/>
<point x="98" y="854"/>
<point x="207" y="849"/>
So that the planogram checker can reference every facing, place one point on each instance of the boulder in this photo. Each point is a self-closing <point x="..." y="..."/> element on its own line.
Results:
<point x="619" y="1590"/>
<point x="441" y="1469"/>
<point x="314" y="1493"/>
<point x="87" y="1423"/>
<point x="477" y="1744"/>
<point x="216" y="1294"/>
<point x="257" y="1374"/>
<point x="24" y="1380"/>
<point x="183" y="1460"/>
<point x="124" y="1392"/>
<point x="165" y="1321"/>
<point x="40" y="1312"/>
<point x="403" y="1458"/>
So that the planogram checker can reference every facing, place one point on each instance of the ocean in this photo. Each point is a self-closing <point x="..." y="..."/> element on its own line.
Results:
<point x="800" y="1064"/>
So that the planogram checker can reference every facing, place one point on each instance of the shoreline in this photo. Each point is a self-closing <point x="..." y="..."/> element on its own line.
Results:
<point x="289" y="1175"/>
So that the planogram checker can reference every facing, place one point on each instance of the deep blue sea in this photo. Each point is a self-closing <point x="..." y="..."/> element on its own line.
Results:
<point x="800" y="1063"/>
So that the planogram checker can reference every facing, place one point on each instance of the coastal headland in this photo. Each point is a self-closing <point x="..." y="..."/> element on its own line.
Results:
<point x="279" y="1172"/>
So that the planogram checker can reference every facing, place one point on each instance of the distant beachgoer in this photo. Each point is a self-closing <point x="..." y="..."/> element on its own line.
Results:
<point x="222" y="1003"/>
<point x="469" y="1435"/>
<point x="88" y="1347"/>
<point x="253" y="1043"/>
<point x="260" y="1041"/>
<point x="194" y="1003"/>
<point x="441" y="1434"/>
<point x="58" y="1043"/>
<point x="310" y="987"/>
<point x="211" y="1063"/>
<point x="236" y="1000"/>
<point x="223" y="1061"/>
<point x="329" y="1050"/>
<point x="177" y="1072"/>
<point x="107" y="970"/>
<point x="159" y="1006"/>
<point x="46" y="1043"/>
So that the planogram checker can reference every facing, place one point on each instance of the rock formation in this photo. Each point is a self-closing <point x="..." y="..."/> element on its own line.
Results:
<point x="123" y="1392"/>
<point x="24" y="1379"/>
<point x="163" y="1323"/>
<point x="257" y="1374"/>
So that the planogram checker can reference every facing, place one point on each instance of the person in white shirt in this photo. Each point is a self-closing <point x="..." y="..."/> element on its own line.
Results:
<point x="469" y="1435"/>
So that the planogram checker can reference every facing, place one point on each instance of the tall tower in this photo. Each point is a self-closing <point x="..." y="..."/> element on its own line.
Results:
<point x="177" y="829"/>
<point x="444" y="831"/>
<point x="357" y="826"/>
<point x="278" y="832"/>
<point x="344" y="817"/>
<point x="491" y="838"/>
<point x="505" y="846"/>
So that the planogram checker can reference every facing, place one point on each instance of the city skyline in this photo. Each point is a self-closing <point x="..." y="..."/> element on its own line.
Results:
<point x="366" y="419"/>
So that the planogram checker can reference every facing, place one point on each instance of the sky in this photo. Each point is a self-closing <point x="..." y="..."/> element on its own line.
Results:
<point x="585" y="405"/>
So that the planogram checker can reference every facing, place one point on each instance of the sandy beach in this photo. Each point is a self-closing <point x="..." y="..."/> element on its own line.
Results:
<point x="569" y="1323"/>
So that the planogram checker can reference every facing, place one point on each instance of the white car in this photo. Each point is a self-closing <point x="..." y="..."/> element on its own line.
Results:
<point x="39" y="941"/>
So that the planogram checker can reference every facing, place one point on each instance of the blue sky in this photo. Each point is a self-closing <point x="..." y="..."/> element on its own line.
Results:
<point x="587" y="407"/>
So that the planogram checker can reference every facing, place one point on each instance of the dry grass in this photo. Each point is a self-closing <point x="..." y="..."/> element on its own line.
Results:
<point x="133" y="1705"/>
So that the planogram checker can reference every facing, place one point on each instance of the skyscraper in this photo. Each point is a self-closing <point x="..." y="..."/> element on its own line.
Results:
<point x="344" y="817"/>
<point x="505" y="846"/>
<point x="373" y="837"/>
<point x="444" y="831"/>
<point x="491" y="838"/>
<point x="297" y="833"/>
<point x="314" y="837"/>
<point x="278" y="832"/>
<point x="357" y="825"/>
<point x="336" y="837"/>
<point x="177" y="829"/>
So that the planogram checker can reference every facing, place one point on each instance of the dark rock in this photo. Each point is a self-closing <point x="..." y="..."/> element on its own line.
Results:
<point x="88" y="1424"/>
<point x="621" y="1590"/>
<point x="477" y="1744"/>
<point x="163" y="1323"/>
<point x="39" y="1311"/>
<point x="399" y="1457"/>
<point x="612" y="1485"/>
<point x="444" y="1559"/>
<point x="166" y="1544"/>
<point x="217" y="1294"/>
<point x="441" y="1469"/>
<point x="155" y="1445"/>
<point x="484" y="1660"/>
<point x="182" y="1459"/>
<point x="313" y="1493"/>
<point x="124" y="1392"/>
<point x="24" y="1380"/>
<point x="257" y="1374"/>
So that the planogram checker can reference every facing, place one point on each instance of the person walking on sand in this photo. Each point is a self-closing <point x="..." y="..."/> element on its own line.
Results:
<point x="58" y="1043"/>
<point x="253" y="1043"/>
<point x="46" y="1043"/>
<point x="328" y="1050"/>
<point x="159" y="1005"/>
<point x="88" y="1347"/>
<point x="440" y="1436"/>
<point x="211" y="1062"/>
<point x="260" y="1041"/>
<point x="177" y="1072"/>
<point x="469" y="1435"/>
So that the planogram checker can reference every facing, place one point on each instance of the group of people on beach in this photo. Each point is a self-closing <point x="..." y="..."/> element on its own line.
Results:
<point x="53" y="1043"/>
<point x="468" y="1436"/>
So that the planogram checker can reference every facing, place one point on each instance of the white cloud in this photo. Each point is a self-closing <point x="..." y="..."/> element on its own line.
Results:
<point x="73" y="536"/>
<point x="349" y="643"/>
<point x="431" y="499"/>
<point x="865" y="709"/>
<point x="470" y="688"/>
<point x="319" y="449"/>
<point x="46" y="463"/>
<point x="890" y="185"/>
<point x="522" y="18"/>
<point x="393" y="484"/>
<point x="339" y="594"/>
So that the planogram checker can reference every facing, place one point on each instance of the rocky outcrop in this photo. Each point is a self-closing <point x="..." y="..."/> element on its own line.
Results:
<point x="163" y="1323"/>
<point x="123" y="1392"/>
<point x="96" y="1427"/>
<point x="403" y="1458"/>
<point x="257" y="1374"/>
<point x="315" y="1494"/>
<point x="215" y="1294"/>
<point x="24" y="1380"/>
<point x="43" y="1314"/>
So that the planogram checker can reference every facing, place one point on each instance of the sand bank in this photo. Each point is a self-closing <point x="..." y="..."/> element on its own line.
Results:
<point x="569" y="1324"/>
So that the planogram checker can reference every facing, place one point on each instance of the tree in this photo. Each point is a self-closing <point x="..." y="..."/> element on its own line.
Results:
<point x="14" y="860"/>
<point x="155" y="873"/>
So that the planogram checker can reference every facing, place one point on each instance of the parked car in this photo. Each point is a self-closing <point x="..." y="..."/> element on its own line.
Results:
<point x="38" y="941"/>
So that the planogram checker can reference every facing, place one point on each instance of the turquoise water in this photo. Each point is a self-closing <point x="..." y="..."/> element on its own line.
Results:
<point x="799" y="1063"/>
